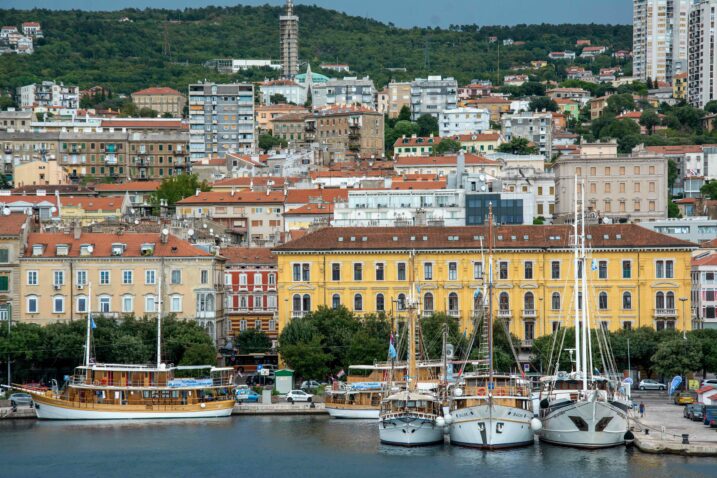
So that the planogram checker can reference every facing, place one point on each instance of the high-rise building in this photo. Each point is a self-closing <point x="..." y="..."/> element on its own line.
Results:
<point x="289" y="34"/>
<point x="702" y="62"/>
<point x="221" y="119"/>
<point x="432" y="95"/>
<point x="659" y="38"/>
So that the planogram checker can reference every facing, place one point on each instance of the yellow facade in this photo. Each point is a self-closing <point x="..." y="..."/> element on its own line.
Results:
<point x="534" y="277"/>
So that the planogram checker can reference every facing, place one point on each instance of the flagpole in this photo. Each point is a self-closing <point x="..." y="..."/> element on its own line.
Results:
<point x="89" y="324"/>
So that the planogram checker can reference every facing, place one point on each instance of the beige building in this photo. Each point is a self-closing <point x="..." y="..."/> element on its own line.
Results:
<point x="398" y="96"/>
<point x="63" y="276"/>
<point x="163" y="100"/>
<point x="618" y="187"/>
<point x="40" y="173"/>
<point x="347" y="130"/>
<point x="13" y="229"/>
<point x="291" y="127"/>
<point x="266" y="114"/>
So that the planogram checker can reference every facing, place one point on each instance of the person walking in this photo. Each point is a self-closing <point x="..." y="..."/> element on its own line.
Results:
<point x="642" y="409"/>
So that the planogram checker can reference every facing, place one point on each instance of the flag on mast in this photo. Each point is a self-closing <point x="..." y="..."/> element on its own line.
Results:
<point x="392" y="354"/>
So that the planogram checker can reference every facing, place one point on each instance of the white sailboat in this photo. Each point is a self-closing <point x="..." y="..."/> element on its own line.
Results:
<point x="490" y="410"/>
<point x="411" y="417"/>
<point x="583" y="409"/>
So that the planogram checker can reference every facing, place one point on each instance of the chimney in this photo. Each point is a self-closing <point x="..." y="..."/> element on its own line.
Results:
<point x="196" y="193"/>
<point x="76" y="230"/>
<point x="233" y="191"/>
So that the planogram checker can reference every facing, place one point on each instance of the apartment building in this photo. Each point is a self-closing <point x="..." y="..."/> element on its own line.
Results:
<point x="702" y="59"/>
<point x="496" y="105"/>
<point x="14" y="228"/>
<point x="463" y="120"/>
<point x="535" y="127"/>
<point x="66" y="275"/>
<point x="48" y="96"/>
<point x="266" y="114"/>
<point x="641" y="275"/>
<point x="618" y="187"/>
<point x="347" y="130"/>
<point x="39" y="173"/>
<point x="704" y="291"/>
<point x="349" y="91"/>
<point x="289" y="89"/>
<point x="399" y="95"/>
<point x="445" y="165"/>
<point x="16" y="120"/>
<point x="659" y="38"/>
<point x="432" y="95"/>
<point x="251" y="290"/>
<point x="221" y="119"/>
<point x="163" y="100"/>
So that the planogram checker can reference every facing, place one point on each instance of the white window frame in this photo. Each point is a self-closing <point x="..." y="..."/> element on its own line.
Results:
<point x="172" y="299"/>
<point x="101" y="301"/>
<point x="58" y="274"/>
<point x="81" y="277"/>
<point x="77" y="304"/>
<point x="147" y="309"/>
<point x="130" y="309"/>
<point x="109" y="277"/>
<point x="32" y="278"/>
<point x="150" y="277"/>
<point x="28" y="300"/>
<point x="54" y="304"/>
<point x="125" y="274"/>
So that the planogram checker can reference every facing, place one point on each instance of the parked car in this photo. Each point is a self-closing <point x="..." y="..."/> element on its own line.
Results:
<point x="246" y="394"/>
<point x="697" y="415"/>
<point x="17" y="399"/>
<point x="709" y="412"/>
<point x="298" y="396"/>
<point x="691" y="410"/>
<point x="684" y="398"/>
<point x="649" y="384"/>
<point x="710" y="381"/>
<point x="307" y="385"/>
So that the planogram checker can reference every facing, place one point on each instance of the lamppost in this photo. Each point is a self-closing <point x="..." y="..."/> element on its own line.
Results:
<point x="684" y="319"/>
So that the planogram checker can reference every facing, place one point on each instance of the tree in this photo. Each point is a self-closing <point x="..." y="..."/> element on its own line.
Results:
<point x="178" y="187"/>
<point x="129" y="109"/>
<point x="709" y="189"/>
<point x="617" y="104"/>
<point x="711" y="107"/>
<point x="147" y="113"/>
<point x="370" y="342"/>
<point x="538" y="221"/>
<point x="542" y="103"/>
<point x="427" y="125"/>
<point x="6" y="102"/>
<point x="267" y="142"/>
<point x="672" y="173"/>
<point x="677" y="356"/>
<point x="253" y="341"/>
<point x="307" y="358"/>
<point x="432" y="329"/>
<point x="673" y="210"/>
<point x="277" y="99"/>
<point x="199" y="354"/>
<point x="404" y="114"/>
<point x="518" y="146"/>
<point x="447" y="145"/>
<point x="707" y="341"/>
<point x="649" y="120"/>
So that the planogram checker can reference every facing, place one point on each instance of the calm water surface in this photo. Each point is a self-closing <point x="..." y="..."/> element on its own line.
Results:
<point x="294" y="447"/>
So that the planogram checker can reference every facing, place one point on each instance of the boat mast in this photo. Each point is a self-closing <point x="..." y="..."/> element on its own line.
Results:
<point x="584" y="285"/>
<point x="159" y="320"/>
<point x="412" y="369"/>
<point x="576" y="285"/>
<point x="490" y="296"/>
<point x="89" y="324"/>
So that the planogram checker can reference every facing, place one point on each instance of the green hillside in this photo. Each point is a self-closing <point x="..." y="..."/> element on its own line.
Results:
<point x="88" y="48"/>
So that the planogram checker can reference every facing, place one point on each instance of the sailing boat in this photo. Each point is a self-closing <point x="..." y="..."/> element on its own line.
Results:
<point x="120" y="391"/>
<point x="491" y="410"/>
<point x="411" y="417"/>
<point x="583" y="409"/>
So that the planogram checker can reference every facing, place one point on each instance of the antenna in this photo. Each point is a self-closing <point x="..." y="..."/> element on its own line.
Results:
<point x="159" y="320"/>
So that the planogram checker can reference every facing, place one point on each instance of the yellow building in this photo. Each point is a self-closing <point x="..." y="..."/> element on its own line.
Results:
<point x="124" y="271"/>
<point x="637" y="277"/>
<point x="679" y="86"/>
<point x="86" y="210"/>
<point x="40" y="173"/>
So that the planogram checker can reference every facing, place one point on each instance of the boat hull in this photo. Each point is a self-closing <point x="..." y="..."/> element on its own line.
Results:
<point x="353" y="413"/>
<point x="562" y="426"/>
<point x="491" y="426"/>
<point x="53" y="409"/>
<point x="410" y="430"/>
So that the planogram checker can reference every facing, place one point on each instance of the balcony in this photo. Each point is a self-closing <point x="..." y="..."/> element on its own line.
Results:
<point x="504" y="314"/>
<point x="206" y="314"/>
<point x="427" y="313"/>
<point x="665" y="313"/>
<point x="526" y="344"/>
<point x="529" y="313"/>
<point x="454" y="313"/>
<point x="297" y="314"/>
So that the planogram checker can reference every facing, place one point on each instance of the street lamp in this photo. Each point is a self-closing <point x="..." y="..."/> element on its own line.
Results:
<point x="684" y="320"/>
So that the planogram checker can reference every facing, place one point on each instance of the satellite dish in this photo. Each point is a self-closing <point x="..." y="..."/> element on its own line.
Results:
<point x="6" y="211"/>
<point x="131" y="211"/>
<point x="190" y="232"/>
<point x="481" y="177"/>
<point x="211" y="231"/>
<point x="53" y="209"/>
<point x="90" y="249"/>
<point x="136" y="222"/>
<point x="204" y="226"/>
<point x="165" y="231"/>
<point x="28" y="211"/>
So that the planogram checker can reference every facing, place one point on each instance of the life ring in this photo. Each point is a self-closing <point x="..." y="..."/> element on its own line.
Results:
<point x="482" y="391"/>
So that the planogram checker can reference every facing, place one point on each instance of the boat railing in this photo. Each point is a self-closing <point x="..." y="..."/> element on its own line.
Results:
<point x="498" y="391"/>
<point x="81" y="380"/>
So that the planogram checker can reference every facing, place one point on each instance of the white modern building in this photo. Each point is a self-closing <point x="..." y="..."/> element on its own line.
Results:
<point x="695" y="229"/>
<point x="432" y="95"/>
<point x="49" y="95"/>
<point x="221" y="119"/>
<point x="659" y="38"/>
<point x="537" y="183"/>
<point x="289" y="89"/>
<point x="348" y="91"/>
<point x="535" y="127"/>
<point x="463" y="120"/>
<point x="702" y="63"/>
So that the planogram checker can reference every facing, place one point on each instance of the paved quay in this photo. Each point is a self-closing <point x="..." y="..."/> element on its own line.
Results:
<point x="661" y="412"/>
<point x="279" y="409"/>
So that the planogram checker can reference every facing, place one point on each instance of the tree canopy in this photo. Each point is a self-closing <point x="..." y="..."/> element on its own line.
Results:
<point x="178" y="187"/>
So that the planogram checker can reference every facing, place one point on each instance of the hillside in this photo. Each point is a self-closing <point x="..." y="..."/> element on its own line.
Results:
<point x="88" y="48"/>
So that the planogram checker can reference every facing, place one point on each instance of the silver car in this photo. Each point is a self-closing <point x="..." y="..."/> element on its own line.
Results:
<point x="649" y="384"/>
<point x="17" y="399"/>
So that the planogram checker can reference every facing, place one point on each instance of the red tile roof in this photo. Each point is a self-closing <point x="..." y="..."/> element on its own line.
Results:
<point x="506" y="237"/>
<point x="143" y="124"/>
<point x="92" y="203"/>
<point x="12" y="225"/>
<point x="248" y="255"/>
<point x="339" y="109"/>
<point x="417" y="141"/>
<point x="305" y="196"/>
<point x="710" y="244"/>
<point x="102" y="244"/>
<point x="680" y="149"/>
<point x="407" y="185"/>
<point x="161" y="90"/>
<point x="471" y="159"/>
<point x="710" y="260"/>
<point x="490" y="100"/>
<point x="313" y="209"/>
<point x="465" y="138"/>
<point x="140" y="186"/>
<point x="227" y="197"/>
<point x="248" y="181"/>
<point x="279" y="83"/>
<point x="706" y="388"/>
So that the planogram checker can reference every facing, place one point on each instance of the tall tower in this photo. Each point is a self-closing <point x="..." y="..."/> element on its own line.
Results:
<point x="289" y="35"/>
<point x="701" y="86"/>
<point x="659" y="38"/>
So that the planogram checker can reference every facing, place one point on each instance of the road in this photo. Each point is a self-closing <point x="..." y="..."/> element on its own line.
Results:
<point x="661" y="411"/>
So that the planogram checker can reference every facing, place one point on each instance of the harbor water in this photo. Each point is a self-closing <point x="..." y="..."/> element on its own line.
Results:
<point x="294" y="446"/>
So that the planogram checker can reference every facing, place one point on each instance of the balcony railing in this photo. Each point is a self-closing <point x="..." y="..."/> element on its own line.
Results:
<point x="665" y="312"/>
<point x="296" y="314"/>
<point x="454" y="313"/>
<point x="504" y="314"/>
<point x="526" y="343"/>
<point x="206" y="314"/>
<point x="529" y="313"/>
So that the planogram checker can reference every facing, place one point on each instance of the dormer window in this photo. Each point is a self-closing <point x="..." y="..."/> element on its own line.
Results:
<point x="117" y="249"/>
<point x="62" y="249"/>
<point x="86" y="250"/>
<point x="147" y="250"/>
<point x="38" y="249"/>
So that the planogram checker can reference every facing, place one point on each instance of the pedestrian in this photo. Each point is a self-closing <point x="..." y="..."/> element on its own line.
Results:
<point x="642" y="409"/>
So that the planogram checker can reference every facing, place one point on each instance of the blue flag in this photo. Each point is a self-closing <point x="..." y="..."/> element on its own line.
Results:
<point x="594" y="265"/>
<point x="676" y="382"/>
<point x="392" y="350"/>
<point x="92" y="323"/>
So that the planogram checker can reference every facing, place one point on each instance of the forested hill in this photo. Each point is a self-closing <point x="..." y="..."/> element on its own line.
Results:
<point x="88" y="48"/>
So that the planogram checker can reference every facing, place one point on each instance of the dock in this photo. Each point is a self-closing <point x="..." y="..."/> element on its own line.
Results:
<point x="279" y="409"/>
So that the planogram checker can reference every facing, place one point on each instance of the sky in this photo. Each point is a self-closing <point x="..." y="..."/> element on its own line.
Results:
<point x="403" y="13"/>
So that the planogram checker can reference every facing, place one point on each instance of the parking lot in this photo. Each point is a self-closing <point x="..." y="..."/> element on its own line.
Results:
<point x="661" y="411"/>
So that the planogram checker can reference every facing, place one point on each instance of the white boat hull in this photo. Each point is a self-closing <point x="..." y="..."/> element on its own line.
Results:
<point x="354" y="413"/>
<point x="409" y="430"/>
<point x="491" y="426"/>
<point x="560" y="427"/>
<point x="52" y="412"/>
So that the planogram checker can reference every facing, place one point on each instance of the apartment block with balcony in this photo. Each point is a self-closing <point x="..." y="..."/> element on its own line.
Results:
<point x="157" y="155"/>
<point x="349" y="91"/>
<point x="13" y="231"/>
<point x="432" y="95"/>
<point x="659" y="38"/>
<point x="48" y="96"/>
<point x="702" y="59"/>
<point x="347" y="130"/>
<point x="704" y="291"/>
<point x="535" y="127"/>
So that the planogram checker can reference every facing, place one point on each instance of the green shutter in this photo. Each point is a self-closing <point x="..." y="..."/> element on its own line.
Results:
<point x="4" y="255"/>
<point x="4" y="283"/>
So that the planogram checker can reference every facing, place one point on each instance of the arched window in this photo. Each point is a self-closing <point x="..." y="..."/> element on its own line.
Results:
<point x="504" y="301"/>
<point x="296" y="303"/>
<point x="336" y="301"/>
<point x="670" y="300"/>
<point x="529" y="301"/>
<point x="380" y="303"/>
<point x="627" y="301"/>
<point x="306" y="303"/>
<point x="453" y="303"/>
<point x="401" y="302"/>
<point x="602" y="301"/>
<point x="555" y="301"/>
<point x="358" y="302"/>
<point x="428" y="302"/>
<point x="660" y="300"/>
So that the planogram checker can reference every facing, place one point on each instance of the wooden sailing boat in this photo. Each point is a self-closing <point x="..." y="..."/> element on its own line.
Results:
<point x="490" y="410"/>
<point x="583" y="409"/>
<point x="411" y="417"/>
<point x="121" y="391"/>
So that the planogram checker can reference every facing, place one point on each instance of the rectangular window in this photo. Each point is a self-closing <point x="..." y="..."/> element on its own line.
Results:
<point x="452" y="271"/>
<point x="477" y="270"/>
<point x="58" y="305"/>
<point x="296" y="275"/>
<point x="528" y="270"/>
<point x="428" y="271"/>
<point x="150" y="277"/>
<point x="358" y="272"/>
<point x="127" y="277"/>
<point x="31" y="277"/>
<point x="627" y="325"/>
<point x="204" y="277"/>
<point x="59" y="277"/>
<point x="149" y="304"/>
<point x="401" y="271"/>
<point x="81" y="277"/>
<point x="602" y="269"/>
<point x="627" y="269"/>
<point x="305" y="272"/>
<point x="104" y="277"/>
<point x="4" y="284"/>
<point x="176" y="277"/>
<point x="32" y="305"/>
<point x="555" y="269"/>
<point x="175" y="304"/>
<point x="503" y="270"/>
<point x="335" y="272"/>
<point x="4" y="256"/>
<point x="82" y="304"/>
<point x="379" y="271"/>
<point x="664" y="269"/>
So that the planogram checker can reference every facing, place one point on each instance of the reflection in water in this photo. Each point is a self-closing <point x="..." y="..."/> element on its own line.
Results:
<point x="295" y="446"/>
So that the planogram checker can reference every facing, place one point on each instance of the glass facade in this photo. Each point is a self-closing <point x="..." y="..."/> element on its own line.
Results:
<point x="505" y="211"/>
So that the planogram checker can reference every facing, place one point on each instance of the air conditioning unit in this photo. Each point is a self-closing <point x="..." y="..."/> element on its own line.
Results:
<point x="58" y="286"/>
<point x="80" y="286"/>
